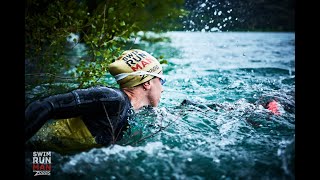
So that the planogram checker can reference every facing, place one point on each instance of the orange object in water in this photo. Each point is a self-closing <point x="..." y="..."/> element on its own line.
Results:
<point x="273" y="107"/>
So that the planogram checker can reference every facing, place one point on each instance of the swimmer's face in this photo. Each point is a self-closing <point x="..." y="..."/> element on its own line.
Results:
<point x="156" y="89"/>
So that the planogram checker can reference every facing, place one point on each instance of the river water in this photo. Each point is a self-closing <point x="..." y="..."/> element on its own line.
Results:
<point x="212" y="121"/>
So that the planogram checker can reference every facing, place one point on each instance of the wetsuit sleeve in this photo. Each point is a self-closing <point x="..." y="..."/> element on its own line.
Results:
<point x="72" y="104"/>
<point x="36" y="114"/>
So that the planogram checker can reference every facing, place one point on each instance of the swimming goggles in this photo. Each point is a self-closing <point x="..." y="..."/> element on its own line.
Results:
<point x="138" y="73"/>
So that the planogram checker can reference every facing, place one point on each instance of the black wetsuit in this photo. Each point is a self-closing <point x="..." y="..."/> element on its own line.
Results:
<point x="104" y="111"/>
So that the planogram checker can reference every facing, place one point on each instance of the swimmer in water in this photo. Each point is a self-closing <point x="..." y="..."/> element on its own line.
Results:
<point x="94" y="117"/>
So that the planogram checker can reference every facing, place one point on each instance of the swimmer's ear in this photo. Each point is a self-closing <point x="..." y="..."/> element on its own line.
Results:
<point x="146" y="85"/>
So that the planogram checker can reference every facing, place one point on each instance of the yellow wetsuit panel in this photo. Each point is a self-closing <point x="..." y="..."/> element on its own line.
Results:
<point x="65" y="135"/>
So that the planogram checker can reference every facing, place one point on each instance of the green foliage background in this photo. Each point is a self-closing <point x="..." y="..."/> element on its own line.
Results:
<point x="105" y="28"/>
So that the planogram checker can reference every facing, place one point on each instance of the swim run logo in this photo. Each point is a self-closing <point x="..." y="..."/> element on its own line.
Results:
<point x="41" y="163"/>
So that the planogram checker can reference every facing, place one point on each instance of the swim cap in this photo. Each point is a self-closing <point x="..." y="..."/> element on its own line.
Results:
<point x="273" y="106"/>
<point x="134" y="67"/>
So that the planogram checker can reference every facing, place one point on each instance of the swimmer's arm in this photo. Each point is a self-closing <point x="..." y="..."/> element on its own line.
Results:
<point x="63" y="106"/>
<point x="39" y="112"/>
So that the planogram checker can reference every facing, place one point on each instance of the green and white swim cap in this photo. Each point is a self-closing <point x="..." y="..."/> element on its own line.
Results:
<point x="134" y="67"/>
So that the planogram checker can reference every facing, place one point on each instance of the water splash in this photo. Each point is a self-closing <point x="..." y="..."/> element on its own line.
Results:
<point x="208" y="16"/>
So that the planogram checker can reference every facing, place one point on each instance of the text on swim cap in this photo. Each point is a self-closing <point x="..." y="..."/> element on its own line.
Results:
<point x="153" y="69"/>
<point x="137" y="60"/>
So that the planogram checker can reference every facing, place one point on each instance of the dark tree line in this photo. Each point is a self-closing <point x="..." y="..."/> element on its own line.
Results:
<point x="105" y="29"/>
